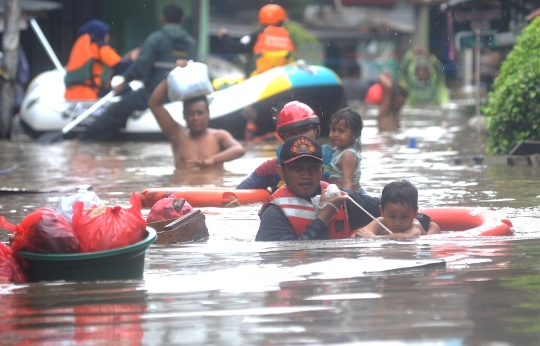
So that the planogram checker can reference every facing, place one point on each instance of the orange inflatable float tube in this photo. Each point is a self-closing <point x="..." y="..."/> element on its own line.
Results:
<point x="467" y="222"/>
<point x="204" y="197"/>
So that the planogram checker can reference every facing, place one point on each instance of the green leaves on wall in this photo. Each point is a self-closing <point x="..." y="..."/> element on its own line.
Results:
<point x="514" y="106"/>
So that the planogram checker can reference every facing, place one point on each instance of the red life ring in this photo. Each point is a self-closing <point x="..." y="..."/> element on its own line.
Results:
<point x="466" y="222"/>
<point x="204" y="197"/>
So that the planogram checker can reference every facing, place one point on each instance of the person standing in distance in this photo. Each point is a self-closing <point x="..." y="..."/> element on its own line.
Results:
<point x="271" y="45"/>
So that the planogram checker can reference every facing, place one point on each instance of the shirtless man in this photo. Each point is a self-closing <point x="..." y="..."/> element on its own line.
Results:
<point x="197" y="146"/>
<point x="394" y="96"/>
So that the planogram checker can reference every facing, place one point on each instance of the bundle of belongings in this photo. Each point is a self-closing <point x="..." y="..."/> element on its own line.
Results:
<point x="80" y="224"/>
<point x="167" y="209"/>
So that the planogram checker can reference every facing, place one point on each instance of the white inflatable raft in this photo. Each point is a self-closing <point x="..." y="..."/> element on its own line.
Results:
<point x="44" y="108"/>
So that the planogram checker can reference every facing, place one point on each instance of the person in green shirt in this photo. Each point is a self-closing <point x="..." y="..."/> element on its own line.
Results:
<point x="423" y="76"/>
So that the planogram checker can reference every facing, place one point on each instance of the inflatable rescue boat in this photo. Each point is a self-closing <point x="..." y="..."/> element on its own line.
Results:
<point x="44" y="108"/>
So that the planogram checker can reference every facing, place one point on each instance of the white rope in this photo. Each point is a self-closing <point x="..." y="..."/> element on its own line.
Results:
<point x="365" y="211"/>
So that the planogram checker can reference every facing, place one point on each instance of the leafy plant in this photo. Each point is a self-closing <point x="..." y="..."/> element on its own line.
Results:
<point x="300" y="36"/>
<point x="514" y="106"/>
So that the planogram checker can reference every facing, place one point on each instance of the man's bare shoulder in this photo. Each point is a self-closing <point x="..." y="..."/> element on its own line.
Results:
<point x="219" y="133"/>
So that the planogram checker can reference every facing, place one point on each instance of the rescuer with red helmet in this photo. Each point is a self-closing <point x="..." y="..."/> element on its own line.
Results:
<point x="271" y="45"/>
<point x="295" y="119"/>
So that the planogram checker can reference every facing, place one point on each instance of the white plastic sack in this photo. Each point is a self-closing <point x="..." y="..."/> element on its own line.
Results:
<point x="331" y="191"/>
<point x="65" y="203"/>
<point x="188" y="82"/>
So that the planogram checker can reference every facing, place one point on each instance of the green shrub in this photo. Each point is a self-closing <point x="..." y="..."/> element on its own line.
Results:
<point x="514" y="105"/>
<point x="300" y="36"/>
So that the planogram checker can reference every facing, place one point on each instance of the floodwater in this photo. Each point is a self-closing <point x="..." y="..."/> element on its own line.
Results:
<point x="230" y="290"/>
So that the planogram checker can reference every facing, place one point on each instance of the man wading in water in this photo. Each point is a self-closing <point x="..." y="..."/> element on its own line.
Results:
<point x="197" y="147"/>
<point x="289" y="214"/>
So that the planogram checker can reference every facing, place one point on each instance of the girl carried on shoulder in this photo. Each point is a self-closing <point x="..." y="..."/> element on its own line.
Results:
<point x="345" y="131"/>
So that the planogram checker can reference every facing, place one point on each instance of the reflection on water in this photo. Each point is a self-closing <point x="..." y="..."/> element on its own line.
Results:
<point x="231" y="290"/>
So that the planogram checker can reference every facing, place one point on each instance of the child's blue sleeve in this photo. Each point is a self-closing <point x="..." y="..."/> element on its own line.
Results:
<point x="328" y="153"/>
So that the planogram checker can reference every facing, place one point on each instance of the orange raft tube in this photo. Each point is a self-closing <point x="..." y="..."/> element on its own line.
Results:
<point x="466" y="222"/>
<point x="204" y="197"/>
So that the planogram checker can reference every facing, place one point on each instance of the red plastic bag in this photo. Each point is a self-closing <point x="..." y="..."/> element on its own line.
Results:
<point x="168" y="208"/>
<point x="116" y="227"/>
<point x="10" y="270"/>
<point x="43" y="231"/>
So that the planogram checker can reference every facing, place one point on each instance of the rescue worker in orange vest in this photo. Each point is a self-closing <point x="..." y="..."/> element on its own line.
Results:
<point x="271" y="46"/>
<point x="289" y="213"/>
<point x="91" y="52"/>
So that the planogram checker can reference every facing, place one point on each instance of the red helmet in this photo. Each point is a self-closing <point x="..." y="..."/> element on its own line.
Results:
<point x="272" y="14"/>
<point x="294" y="115"/>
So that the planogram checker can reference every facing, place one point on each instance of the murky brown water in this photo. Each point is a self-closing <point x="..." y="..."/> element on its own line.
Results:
<point x="231" y="290"/>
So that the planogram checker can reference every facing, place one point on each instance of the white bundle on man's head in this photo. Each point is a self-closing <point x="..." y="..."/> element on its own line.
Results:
<point x="188" y="82"/>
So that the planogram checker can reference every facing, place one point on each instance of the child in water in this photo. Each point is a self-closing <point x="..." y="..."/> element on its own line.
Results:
<point x="345" y="130"/>
<point x="399" y="210"/>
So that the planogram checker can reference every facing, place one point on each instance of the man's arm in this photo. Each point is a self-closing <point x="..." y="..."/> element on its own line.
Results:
<point x="143" y="66"/>
<point x="233" y="46"/>
<point x="387" y="84"/>
<point x="264" y="177"/>
<point x="276" y="227"/>
<point x="254" y="181"/>
<point x="231" y="149"/>
<point x="357" y="217"/>
<point x="168" y="125"/>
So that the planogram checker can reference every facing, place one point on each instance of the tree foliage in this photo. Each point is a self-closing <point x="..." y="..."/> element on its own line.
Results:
<point x="300" y="36"/>
<point x="514" y="106"/>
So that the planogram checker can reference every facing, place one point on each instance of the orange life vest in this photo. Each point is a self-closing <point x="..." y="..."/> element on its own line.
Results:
<point x="301" y="213"/>
<point x="273" y="48"/>
<point x="84" y="70"/>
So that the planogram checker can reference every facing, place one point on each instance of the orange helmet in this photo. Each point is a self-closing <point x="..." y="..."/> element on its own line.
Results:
<point x="272" y="14"/>
<point x="295" y="114"/>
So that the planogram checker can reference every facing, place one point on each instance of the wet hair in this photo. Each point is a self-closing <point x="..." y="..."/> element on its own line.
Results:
<point x="400" y="192"/>
<point x="173" y="13"/>
<point x="194" y="100"/>
<point x="353" y="120"/>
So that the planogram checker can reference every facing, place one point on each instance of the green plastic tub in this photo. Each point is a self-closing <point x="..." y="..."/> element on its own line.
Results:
<point x="117" y="264"/>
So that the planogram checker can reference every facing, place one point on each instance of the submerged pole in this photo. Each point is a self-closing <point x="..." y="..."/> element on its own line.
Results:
<point x="10" y="44"/>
